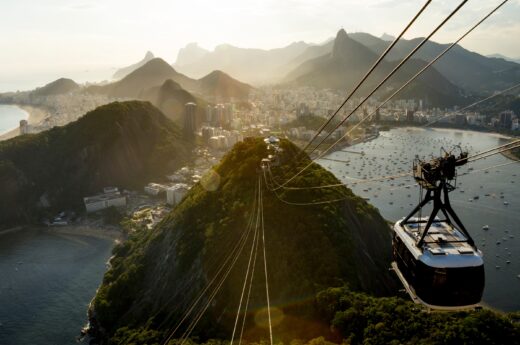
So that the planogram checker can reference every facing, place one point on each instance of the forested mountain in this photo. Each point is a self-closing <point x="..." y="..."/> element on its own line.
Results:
<point x="118" y="144"/>
<point x="308" y="249"/>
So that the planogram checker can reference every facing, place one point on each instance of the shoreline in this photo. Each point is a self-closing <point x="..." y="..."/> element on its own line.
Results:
<point x="35" y="115"/>
<point x="86" y="230"/>
<point x="113" y="233"/>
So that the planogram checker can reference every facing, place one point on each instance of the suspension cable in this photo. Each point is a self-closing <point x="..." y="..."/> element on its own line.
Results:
<point x="376" y="88"/>
<point x="265" y="264"/>
<point x="249" y="290"/>
<point x="246" y="276"/>
<point x="238" y="247"/>
<point x="389" y="98"/>
<point x="396" y="68"/>
<point x="367" y="74"/>
<point x="473" y="104"/>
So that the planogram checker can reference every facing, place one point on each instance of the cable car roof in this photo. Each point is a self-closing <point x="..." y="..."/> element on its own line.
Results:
<point x="444" y="246"/>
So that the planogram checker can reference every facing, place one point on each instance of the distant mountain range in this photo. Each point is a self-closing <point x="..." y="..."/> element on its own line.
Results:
<point x="256" y="66"/>
<point x="500" y="56"/>
<point x="123" y="72"/>
<point x="349" y="60"/>
<point x="468" y="71"/>
<point x="217" y="86"/>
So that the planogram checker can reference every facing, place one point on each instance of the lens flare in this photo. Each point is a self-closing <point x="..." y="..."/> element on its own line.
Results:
<point x="210" y="181"/>
<point x="262" y="317"/>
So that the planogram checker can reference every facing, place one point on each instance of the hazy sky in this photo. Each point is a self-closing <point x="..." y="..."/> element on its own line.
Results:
<point x="43" y="38"/>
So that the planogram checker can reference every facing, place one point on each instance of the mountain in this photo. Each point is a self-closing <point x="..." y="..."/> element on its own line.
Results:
<point x="218" y="85"/>
<point x="123" y="72"/>
<point x="341" y="67"/>
<point x="153" y="73"/>
<point x="500" y="56"/>
<point x="467" y="70"/>
<point x="156" y="274"/>
<point x="120" y="144"/>
<point x="349" y="60"/>
<point x="171" y="99"/>
<point x="254" y="66"/>
<point x="190" y="54"/>
<point x="387" y="37"/>
<point x="57" y="87"/>
<point x="309" y="53"/>
<point x="141" y="82"/>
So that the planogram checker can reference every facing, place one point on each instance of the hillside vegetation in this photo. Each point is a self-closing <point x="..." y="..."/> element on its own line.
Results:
<point x="357" y="318"/>
<point x="120" y="144"/>
<point x="308" y="249"/>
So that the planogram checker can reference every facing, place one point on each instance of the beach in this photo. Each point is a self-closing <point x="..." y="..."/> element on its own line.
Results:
<point x="36" y="115"/>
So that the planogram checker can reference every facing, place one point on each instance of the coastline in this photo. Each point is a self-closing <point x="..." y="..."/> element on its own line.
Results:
<point x="85" y="230"/>
<point x="106" y="233"/>
<point x="35" y="115"/>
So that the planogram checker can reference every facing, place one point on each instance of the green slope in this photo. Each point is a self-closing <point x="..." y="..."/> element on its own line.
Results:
<point x="155" y="275"/>
<point x="121" y="144"/>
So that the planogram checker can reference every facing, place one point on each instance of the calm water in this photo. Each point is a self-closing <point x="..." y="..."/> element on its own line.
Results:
<point x="10" y="117"/>
<point x="47" y="281"/>
<point x="393" y="152"/>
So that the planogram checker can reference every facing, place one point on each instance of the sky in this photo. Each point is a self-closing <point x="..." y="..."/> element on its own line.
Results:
<point x="88" y="39"/>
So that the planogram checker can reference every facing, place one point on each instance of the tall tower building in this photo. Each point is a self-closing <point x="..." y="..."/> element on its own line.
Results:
<point x="190" y="119"/>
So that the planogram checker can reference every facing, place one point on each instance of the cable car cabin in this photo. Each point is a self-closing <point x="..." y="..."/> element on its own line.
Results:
<point x="445" y="271"/>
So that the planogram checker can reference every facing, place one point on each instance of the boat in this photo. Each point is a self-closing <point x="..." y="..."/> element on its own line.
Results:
<point x="485" y="227"/>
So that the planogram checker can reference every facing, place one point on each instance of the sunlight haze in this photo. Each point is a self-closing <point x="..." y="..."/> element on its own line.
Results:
<point x="70" y="38"/>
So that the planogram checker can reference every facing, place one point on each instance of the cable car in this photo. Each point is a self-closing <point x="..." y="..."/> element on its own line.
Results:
<point x="436" y="259"/>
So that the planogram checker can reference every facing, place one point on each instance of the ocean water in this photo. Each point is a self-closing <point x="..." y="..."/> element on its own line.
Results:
<point x="10" y="116"/>
<point x="393" y="152"/>
<point x="47" y="281"/>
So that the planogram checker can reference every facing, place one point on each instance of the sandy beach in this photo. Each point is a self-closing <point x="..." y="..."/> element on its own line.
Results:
<point x="36" y="115"/>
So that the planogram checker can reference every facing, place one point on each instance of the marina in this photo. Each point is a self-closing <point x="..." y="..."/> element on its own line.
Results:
<point x="490" y="221"/>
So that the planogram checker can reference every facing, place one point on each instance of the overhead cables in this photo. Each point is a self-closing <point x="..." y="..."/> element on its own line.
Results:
<point x="473" y="104"/>
<point x="367" y="74"/>
<point x="265" y="266"/>
<point x="395" y="93"/>
<point x="253" y="244"/>
<point x="394" y="70"/>
<point x="233" y="256"/>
